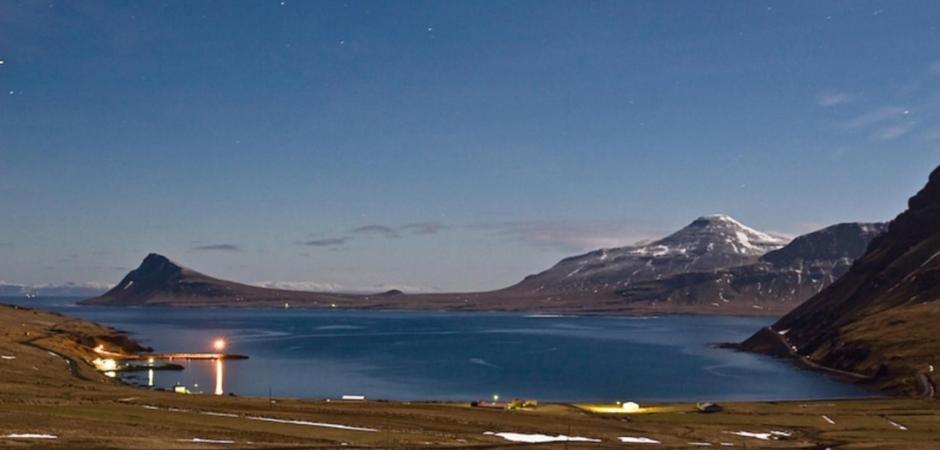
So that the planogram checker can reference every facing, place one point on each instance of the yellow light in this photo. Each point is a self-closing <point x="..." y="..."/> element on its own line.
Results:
<point x="105" y="365"/>
<point x="219" y="344"/>
<point x="630" y="407"/>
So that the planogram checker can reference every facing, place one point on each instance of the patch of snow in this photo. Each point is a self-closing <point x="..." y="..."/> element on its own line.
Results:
<point x="311" y="424"/>
<point x="932" y="257"/>
<point x="827" y="419"/>
<point x="218" y="414"/>
<point x="150" y="407"/>
<point x="784" y="332"/>
<point x="638" y="440"/>
<point x="208" y="441"/>
<point x="539" y="438"/>
<point x="897" y="425"/>
<point x="9" y="357"/>
<point x="699" y="444"/>
<point x="129" y="284"/>
<point x="762" y="436"/>
<point x="30" y="436"/>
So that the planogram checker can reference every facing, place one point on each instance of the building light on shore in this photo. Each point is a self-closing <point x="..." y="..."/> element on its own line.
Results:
<point x="630" y="407"/>
<point x="105" y="365"/>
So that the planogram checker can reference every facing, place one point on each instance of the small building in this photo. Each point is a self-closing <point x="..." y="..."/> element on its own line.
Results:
<point x="708" y="407"/>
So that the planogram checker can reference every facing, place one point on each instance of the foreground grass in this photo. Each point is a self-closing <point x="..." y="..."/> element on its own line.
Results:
<point x="60" y="394"/>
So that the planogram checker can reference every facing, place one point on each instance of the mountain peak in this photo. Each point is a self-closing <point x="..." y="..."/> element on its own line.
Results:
<point x="709" y="243"/>
<point x="720" y="231"/>
<point x="717" y="218"/>
<point x="157" y="263"/>
<point x="155" y="258"/>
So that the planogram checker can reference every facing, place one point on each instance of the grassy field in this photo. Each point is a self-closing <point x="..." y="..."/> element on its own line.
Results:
<point x="49" y="388"/>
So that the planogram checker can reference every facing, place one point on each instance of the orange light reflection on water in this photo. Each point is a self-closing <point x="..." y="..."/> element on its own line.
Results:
<point x="219" y="375"/>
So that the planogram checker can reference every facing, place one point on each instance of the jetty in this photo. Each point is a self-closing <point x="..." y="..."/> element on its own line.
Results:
<point x="210" y="356"/>
<point x="172" y="356"/>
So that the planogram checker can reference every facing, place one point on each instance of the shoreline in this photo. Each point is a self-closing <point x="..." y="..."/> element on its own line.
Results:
<point x="619" y="312"/>
<point x="90" y="411"/>
<point x="874" y="393"/>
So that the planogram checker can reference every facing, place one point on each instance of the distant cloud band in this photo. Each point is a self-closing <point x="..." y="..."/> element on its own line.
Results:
<point x="217" y="248"/>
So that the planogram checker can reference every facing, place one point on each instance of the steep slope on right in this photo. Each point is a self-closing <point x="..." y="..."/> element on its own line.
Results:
<point x="881" y="320"/>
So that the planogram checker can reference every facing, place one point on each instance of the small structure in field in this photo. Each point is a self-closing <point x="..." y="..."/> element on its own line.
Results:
<point x="708" y="407"/>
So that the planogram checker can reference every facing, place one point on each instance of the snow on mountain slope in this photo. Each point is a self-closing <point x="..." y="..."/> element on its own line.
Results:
<point x="709" y="243"/>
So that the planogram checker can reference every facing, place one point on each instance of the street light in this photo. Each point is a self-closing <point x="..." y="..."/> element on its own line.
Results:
<point x="219" y="344"/>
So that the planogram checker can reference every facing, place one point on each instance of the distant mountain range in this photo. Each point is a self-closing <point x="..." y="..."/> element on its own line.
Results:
<point x="879" y="321"/>
<point x="715" y="265"/>
<point x="53" y="290"/>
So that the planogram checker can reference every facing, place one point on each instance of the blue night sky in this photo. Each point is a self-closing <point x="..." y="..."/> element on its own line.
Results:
<point x="444" y="145"/>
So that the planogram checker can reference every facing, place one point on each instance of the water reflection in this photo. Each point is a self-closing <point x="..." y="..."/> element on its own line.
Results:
<point x="219" y="374"/>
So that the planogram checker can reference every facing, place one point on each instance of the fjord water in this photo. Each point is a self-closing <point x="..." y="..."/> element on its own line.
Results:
<point x="463" y="356"/>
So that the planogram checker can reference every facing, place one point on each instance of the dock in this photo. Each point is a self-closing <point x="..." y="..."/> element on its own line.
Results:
<point x="186" y="356"/>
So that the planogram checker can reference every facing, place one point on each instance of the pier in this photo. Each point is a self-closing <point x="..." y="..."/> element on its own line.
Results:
<point x="210" y="356"/>
<point x="172" y="356"/>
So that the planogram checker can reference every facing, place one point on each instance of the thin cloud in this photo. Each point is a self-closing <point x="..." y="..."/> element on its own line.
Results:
<point x="423" y="227"/>
<point x="217" y="248"/>
<point x="893" y="132"/>
<point x="935" y="67"/>
<point x="830" y="99"/>
<point x="877" y="116"/>
<point x="325" y="242"/>
<point x="570" y="236"/>
<point x="376" y="230"/>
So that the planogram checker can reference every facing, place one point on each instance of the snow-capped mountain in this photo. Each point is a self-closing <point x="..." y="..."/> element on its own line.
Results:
<point x="707" y="244"/>
<point x="781" y="279"/>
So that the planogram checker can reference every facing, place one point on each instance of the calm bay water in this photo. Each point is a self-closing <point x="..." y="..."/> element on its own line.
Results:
<point x="462" y="356"/>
